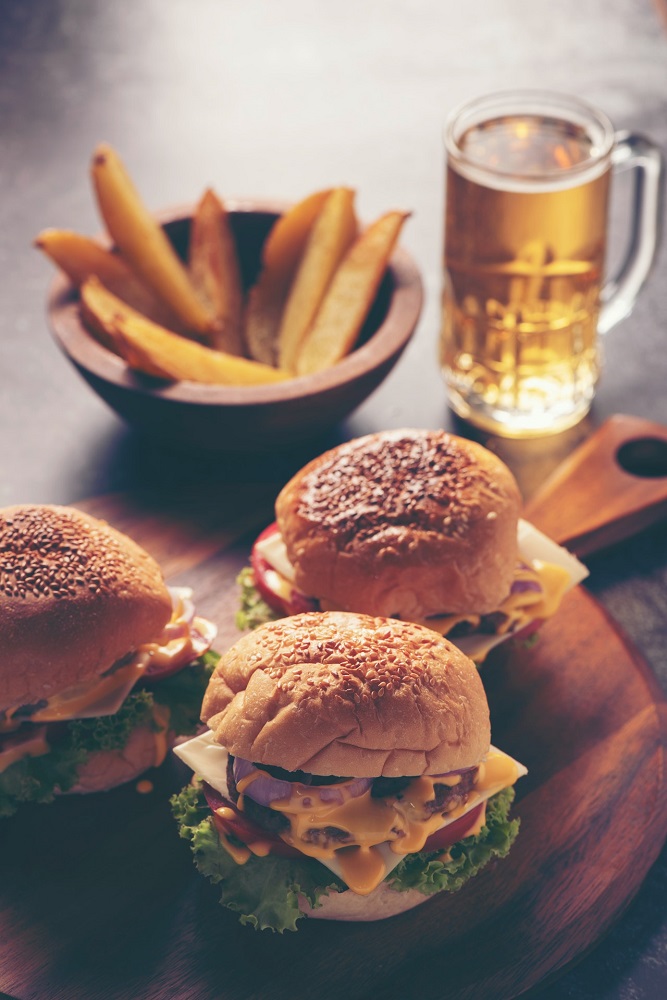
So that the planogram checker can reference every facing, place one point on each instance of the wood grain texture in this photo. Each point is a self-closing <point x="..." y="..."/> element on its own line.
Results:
<point x="610" y="487"/>
<point x="99" y="898"/>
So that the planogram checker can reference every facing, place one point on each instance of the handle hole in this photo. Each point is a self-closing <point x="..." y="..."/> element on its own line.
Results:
<point x="644" y="457"/>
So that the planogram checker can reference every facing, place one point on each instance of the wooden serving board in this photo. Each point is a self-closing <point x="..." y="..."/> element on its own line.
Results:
<point x="99" y="898"/>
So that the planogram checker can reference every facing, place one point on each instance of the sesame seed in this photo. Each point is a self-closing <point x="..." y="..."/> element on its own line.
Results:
<point x="56" y="552"/>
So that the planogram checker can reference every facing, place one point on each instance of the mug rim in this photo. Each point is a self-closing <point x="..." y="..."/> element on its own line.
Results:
<point x="530" y="101"/>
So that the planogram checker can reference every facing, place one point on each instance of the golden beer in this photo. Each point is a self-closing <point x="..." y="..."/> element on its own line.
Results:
<point x="525" y="234"/>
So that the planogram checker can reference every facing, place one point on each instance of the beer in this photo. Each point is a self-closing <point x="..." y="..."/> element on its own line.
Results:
<point x="525" y="233"/>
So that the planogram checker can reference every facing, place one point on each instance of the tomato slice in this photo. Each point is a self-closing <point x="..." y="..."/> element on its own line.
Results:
<point x="453" y="832"/>
<point x="248" y="832"/>
<point x="243" y="828"/>
<point x="291" y="601"/>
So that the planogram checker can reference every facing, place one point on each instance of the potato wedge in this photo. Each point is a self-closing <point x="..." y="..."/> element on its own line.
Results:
<point x="143" y="243"/>
<point x="215" y="273"/>
<point x="330" y="238"/>
<point x="350" y="296"/>
<point x="80" y="257"/>
<point x="281" y="254"/>
<point x="98" y="308"/>
<point x="151" y="349"/>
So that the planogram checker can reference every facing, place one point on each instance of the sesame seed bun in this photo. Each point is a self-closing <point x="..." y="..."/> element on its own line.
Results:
<point x="350" y="695"/>
<point x="383" y="902"/>
<point x="407" y="523"/>
<point x="75" y="596"/>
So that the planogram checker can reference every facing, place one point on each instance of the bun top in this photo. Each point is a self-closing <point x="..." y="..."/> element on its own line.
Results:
<point x="75" y="596"/>
<point x="406" y="523"/>
<point x="349" y="695"/>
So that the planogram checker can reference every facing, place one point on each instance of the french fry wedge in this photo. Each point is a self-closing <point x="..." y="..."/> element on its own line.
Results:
<point x="80" y="257"/>
<point x="350" y="295"/>
<point x="215" y="272"/>
<point x="282" y="252"/>
<point x="99" y="307"/>
<point x="143" y="243"/>
<point x="330" y="238"/>
<point x="153" y="350"/>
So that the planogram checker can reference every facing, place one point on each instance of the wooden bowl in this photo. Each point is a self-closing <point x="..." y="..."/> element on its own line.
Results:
<point x="234" y="418"/>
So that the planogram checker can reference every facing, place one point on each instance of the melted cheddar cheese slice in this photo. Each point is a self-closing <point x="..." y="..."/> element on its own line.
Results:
<point x="551" y="567"/>
<point x="519" y="608"/>
<point x="90" y="699"/>
<point x="14" y="750"/>
<point x="380" y="830"/>
<point x="180" y="642"/>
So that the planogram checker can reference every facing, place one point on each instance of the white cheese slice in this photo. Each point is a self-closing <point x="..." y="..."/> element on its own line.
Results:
<point x="272" y="548"/>
<point x="209" y="760"/>
<point x="533" y="546"/>
<point x="95" y="698"/>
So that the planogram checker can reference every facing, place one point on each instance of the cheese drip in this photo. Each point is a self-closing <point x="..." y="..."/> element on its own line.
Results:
<point x="182" y="640"/>
<point x="403" y="823"/>
<point x="161" y="715"/>
<point x="34" y="745"/>
<point x="514" y="613"/>
<point x="240" y="853"/>
<point x="86" y="700"/>
<point x="519" y="608"/>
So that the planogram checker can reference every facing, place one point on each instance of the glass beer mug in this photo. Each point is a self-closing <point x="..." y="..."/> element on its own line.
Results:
<point x="524" y="295"/>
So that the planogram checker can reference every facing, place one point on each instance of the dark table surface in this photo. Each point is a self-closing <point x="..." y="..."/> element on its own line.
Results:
<point x="280" y="99"/>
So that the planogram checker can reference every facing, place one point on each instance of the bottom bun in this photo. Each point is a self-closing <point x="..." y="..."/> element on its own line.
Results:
<point x="383" y="902"/>
<point x="104" y="769"/>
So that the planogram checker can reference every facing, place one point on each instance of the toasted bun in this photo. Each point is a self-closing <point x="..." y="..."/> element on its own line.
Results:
<point x="403" y="523"/>
<point x="104" y="769"/>
<point x="75" y="596"/>
<point x="383" y="902"/>
<point x="349" y="695"/>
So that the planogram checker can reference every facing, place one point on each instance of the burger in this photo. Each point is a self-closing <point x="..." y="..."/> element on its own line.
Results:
<point x="346" y="773"/>
<point x="100" y="663"/>
<point x="419" y="525"/>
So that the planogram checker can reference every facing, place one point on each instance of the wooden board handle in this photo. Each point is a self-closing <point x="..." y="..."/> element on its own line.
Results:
<point x="612" y="486"/>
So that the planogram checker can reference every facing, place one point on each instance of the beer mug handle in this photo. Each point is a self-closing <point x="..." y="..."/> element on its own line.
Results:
<point x="635" y="152"/>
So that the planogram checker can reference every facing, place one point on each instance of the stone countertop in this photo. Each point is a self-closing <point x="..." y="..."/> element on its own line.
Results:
<point x="277" y="100"/>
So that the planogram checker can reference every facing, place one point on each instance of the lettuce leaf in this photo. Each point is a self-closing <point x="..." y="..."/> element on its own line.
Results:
<point x="35" y="779"/>
<point x="183" y="692"/>
<point x="40" y="779"/>
<point x="425" y="873"/>
<point x="110" y="732"/>
<point x="264" y="891"/>
<point x="254" y="610"/>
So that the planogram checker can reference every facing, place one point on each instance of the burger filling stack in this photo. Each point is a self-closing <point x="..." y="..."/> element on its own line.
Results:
<point x="419" y="525"/>
<point x="100" y="663"/>
<point x="347" y="771"/>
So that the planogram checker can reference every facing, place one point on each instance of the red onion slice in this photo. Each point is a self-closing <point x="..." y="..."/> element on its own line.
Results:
<point x="334" y="793"/>
<point x="181" y="601"/>
<point x="174" y="630"/>
<point x="266" y="789"/>
<point x="525" y="586"/>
